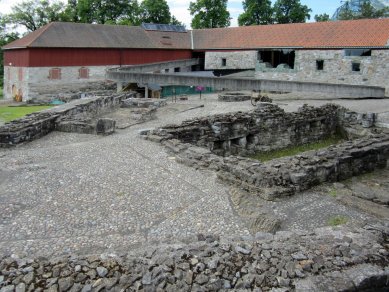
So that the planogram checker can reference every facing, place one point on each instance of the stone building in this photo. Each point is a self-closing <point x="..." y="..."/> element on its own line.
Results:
<point x="67" y="56"/>
<point x="352" y="52"/>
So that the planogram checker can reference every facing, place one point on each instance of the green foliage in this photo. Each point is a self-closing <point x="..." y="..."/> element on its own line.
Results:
<point x="10" y="113"/>
<point x="290" y="151"/>
<point x="290" y="11"/>
<point x="209" y="14"/>
<point x="155" y="11"/>
<point x="33" y="14"/>
<point x="322" y="17"/>
<point x="333" y="193"/>
<point x="366" y="10"/>
<point x="337" y="220"/>
<point x="1" y="91"/>
<point x="256" y="12"/>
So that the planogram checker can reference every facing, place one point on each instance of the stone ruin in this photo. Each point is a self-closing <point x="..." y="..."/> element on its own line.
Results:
<point x="86" y="116"/>
<point x="219" y="143"/>
<point x="325" y="259"/>
<point x="233" y="96"/>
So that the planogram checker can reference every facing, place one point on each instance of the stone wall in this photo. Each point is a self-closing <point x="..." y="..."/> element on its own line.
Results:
<point x="337" y="68"/>
<point x="326" y="259"/>
<point x="200" y="142"/>
<point x="266" y="128"/>
<point x="234" y="60"/>
<point x="34" y="82"/>
<point x="36" y="125"/>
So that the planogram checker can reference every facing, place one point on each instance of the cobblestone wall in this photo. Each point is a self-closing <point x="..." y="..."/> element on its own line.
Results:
<point x="326" y="259"/>
<point x="38" y="124"/>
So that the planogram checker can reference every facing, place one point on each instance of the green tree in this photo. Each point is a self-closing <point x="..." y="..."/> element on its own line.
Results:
<point x="33" y="14"/>
<point x="256" y="12"/>
<point x="155" y="11"/>
<point x="290" y="11"/>
<point x="322" y="17"/>
<point x="175" y="21"/>
<point x="102" y="11"/>
<point x="209" y="14"/>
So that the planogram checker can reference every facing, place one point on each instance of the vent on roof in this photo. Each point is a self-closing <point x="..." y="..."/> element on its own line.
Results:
<point x="163" y="27"/>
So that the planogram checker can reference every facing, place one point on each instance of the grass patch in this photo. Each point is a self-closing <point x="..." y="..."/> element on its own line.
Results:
<point x="10" y="113"/>
<point x="333" y="193"/>
<point x="291" y="151"/>
<point x="337" y="220"/>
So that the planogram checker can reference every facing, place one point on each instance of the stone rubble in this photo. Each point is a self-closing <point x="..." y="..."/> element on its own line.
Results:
<point x="326" y="259"/>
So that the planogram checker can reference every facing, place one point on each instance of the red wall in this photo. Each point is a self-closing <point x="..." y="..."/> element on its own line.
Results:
<point x="44" y="57"/>
<point x="18" y="58"/>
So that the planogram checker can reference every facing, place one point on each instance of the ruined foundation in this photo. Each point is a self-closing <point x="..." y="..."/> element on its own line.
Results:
<point x="208" y="142"/>
<point x="233" y="97"/>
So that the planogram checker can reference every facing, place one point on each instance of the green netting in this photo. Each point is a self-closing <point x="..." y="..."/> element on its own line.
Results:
<point x="179" y="90"/>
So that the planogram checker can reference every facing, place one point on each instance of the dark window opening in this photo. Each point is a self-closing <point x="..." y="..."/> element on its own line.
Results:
<point x="177" y="69"/>
<point x="166" y="70"/>
<point x="277" y="57"/>
<point x="357" y="52"/>
<point x="356" y="67"/>
<point x="319" y="65"/>
<point x="224" y="62"/>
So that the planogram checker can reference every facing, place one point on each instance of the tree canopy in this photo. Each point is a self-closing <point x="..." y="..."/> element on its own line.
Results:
<point x="283" y="11"/>
<point x="290" y="11"/>
<point x="256" y="12"/>
<point x="209" y="14"/>
<point x="32" y="14"/>
<point x="155" y="11"/>
<point x="322" y="17"/>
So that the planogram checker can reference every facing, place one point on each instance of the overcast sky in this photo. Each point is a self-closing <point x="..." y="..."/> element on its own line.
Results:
<point x="179" y="8"/>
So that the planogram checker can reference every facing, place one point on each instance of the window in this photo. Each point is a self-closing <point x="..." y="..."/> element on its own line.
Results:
<point x="357" y="52"/>
<point x="83" y="73"/>
<point x="177" y="69"/>
<point x="319" y="65"/>
<point x="166" y="70"/>
<point x="55" y="74"/>
<point x="356" y="67"/>
<point x="224" y="62"/>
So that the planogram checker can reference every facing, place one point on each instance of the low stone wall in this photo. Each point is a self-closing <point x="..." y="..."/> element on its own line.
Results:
<point x="266" y="128"/>
<point x="286" y="176"/>
<point x="38" y="124"/>
<point x="233" y="97"/>
<point x="326" y="259"/>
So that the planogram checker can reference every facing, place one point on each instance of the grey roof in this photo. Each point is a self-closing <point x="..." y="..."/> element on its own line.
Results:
<point x="81" y="35"/>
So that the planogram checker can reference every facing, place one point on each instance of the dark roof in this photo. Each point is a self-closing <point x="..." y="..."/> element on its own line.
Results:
<point x="368" y="33"/>
<point x="332" y="34"/>
<point x="81" y="35"/>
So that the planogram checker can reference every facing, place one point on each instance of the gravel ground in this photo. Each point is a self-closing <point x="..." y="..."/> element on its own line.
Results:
<point x="87" y="194"/>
